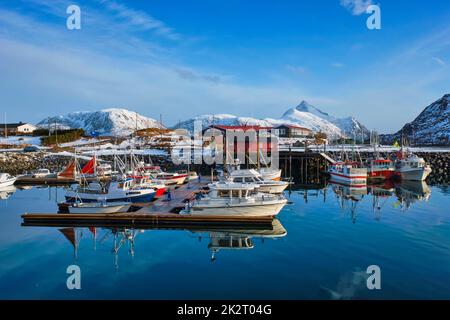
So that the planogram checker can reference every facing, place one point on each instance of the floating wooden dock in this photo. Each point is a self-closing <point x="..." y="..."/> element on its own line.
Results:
<point x="30" y="181"/>
<point x="162" y="212"/>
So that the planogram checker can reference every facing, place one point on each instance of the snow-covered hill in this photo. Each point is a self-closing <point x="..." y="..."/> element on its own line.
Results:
<point x="348" y="126"/>
<point x="304" y="115"/>
<point x="222" y="119"/>
<point x="431" y="126"/>
<point x="117" y="122"/>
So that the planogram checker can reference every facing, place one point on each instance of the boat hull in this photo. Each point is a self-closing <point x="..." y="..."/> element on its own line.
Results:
<point x="72" y="196"/>
<point x="272" y="188"/>
<point x="259" y="210"/>
<point x="381" y="174"/>
<point x="7" y="183"/>
<point x="417" y="174"/>
<point x="354" y="181"/>
<point x="100" y="209"/>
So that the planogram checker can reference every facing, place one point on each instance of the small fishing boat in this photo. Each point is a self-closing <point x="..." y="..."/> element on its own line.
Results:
<point x="6" y="180"/>
<point x="147" y="182"/>
<point x="411" y="167"/>
<point x="253" y="176"/>
<point x="236" y="199"/>
<point x="43" y="173"/>
<point x="99" y="207"/>
<point x="124" y="190"/>
<point x="168" y="178"/>
<point x="380" y="169"/>
<point x="349" y="173"/>
<point x="270" y="174"/>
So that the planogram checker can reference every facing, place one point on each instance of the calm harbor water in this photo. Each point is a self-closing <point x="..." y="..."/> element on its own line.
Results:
<point x="319" y="249"/>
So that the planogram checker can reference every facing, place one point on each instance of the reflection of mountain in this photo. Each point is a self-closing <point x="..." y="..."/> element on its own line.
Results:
<point x="6" y="192"/>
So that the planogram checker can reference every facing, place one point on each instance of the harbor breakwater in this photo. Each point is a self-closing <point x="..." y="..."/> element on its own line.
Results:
<point x="439" y="162"/>
<point x="16" y="163"/>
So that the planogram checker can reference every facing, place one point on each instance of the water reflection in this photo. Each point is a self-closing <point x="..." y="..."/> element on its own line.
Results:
<point x="6" y="192"/>
<point x="123" y="238"/>
<point x="406" y="192"/>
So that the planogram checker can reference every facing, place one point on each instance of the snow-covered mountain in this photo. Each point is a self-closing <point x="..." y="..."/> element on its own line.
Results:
<point x="431" y="126"/>
<point x="304" y="115"/>
<point x="222" y="119"/>
<point x="347" y="126"/>
<point x="117" y="122"/>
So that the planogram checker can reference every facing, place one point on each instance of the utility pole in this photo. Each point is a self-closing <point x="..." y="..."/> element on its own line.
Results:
<point x="6" y="128"/>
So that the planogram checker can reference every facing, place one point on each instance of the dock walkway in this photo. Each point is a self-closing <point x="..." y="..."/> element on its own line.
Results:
<point x="162" y="212"/>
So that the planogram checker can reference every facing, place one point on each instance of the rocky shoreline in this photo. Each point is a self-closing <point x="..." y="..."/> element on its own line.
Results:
<point x="16" y="163"/>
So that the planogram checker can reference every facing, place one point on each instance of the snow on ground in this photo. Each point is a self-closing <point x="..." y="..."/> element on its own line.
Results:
<point x="146" y="152"/>
<point x="36" y="141"/>
<point x="80" y="142"/>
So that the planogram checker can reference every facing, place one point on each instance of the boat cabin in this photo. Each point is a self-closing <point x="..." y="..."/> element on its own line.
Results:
<point x="233" y="190"/>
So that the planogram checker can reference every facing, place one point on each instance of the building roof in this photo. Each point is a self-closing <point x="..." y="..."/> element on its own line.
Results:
<point x="15" y="125"/>
<point x="244" y="128"/>
<point x="293" y="126"/>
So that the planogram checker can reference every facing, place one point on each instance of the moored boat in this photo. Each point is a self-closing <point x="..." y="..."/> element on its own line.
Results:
<point x="99" y="207"/>
<point x="253" y="176"/>
<point x="411" y="167"/>
<point x="6" y="180"/>
<point x="380" y="169"/>
<point x="349" y="173"/>
<point x="270" y="174"/>
<point x="124" y="190"/>
<point x="235" y="199"/>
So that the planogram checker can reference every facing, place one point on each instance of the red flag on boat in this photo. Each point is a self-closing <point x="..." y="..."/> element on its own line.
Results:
<point x="89" y="168"/>
<point x="69" y="171"/>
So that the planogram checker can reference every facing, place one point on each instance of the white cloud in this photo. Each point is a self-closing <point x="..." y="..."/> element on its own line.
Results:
<point x="439" y="61"/>
<point x="356" y="7"/>
<point x="140" y="19"/>
<point x="296" y="69"/>
<point x="337" y="65"/>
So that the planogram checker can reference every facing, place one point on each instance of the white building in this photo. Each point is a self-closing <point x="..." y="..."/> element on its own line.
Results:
<point x="18" y="128"/>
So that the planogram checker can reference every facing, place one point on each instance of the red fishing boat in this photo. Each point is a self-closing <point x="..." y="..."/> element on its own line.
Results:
<point x="382" y="169"/>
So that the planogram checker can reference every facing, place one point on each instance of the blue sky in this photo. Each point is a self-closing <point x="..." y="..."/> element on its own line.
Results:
<point x="186" y="58"/>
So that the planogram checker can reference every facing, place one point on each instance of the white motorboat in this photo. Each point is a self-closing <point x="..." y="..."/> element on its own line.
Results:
<point x="43" y="173"/>
<point x="99" y="207"/>
<point x="6" y="180"/>
<point x="348" y="173"/>
<point x="124" y="190"/>
<point x="253" y="176"/>
<point x="412" y="167"/>
<point x="236" y="199"/>
<point x="270" y="174"/>
<point x="168" y="178"/>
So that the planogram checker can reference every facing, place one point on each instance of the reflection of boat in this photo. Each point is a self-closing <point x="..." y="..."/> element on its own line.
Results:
<point x="349" y="173"/>
<point x="6" y="192"/>
<point x="227" y="198"/>
<point x="235" y="239"/>
<point x="409" y="192"/>
<point x="348" y="195"/>
<point x="99" y="207"/>
<point x="6" y="180"/>
<point x="253" y="176"/>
